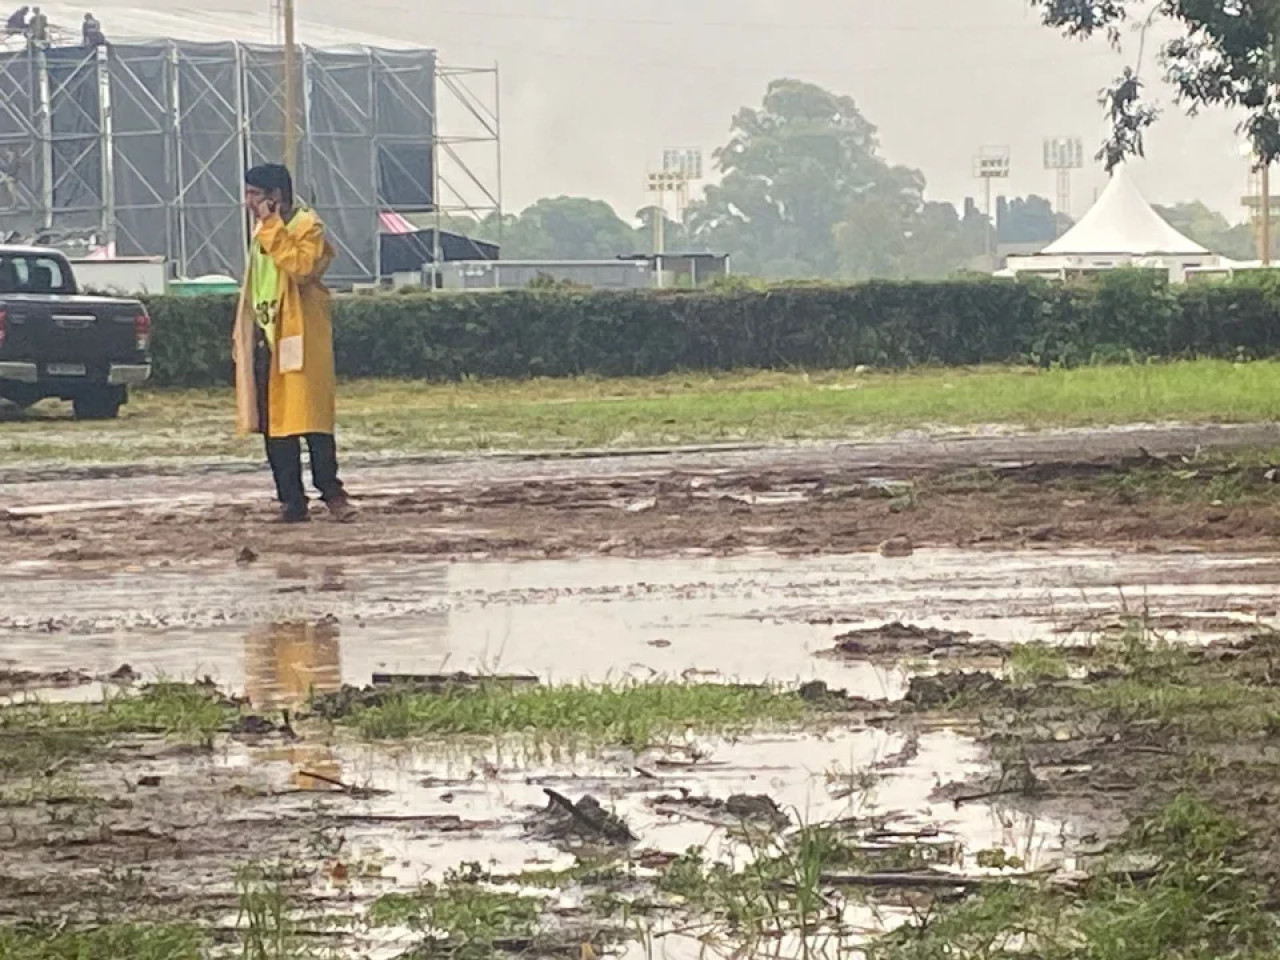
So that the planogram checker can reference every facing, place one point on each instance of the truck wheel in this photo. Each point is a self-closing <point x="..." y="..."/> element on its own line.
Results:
<point x="100" y="403"/>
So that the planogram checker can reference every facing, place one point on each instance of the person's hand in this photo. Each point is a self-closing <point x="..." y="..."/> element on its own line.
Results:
<point x="263" y="208"/>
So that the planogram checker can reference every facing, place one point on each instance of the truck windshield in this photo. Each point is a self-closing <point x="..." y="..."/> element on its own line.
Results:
<point x="33" y="273"/>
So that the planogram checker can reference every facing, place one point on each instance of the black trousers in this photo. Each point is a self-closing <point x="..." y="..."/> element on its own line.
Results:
<point x="284" y="454"/>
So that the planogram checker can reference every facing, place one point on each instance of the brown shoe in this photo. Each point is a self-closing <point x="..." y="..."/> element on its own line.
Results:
<point x="342" y="510"/>
<point x="294" y="513"/>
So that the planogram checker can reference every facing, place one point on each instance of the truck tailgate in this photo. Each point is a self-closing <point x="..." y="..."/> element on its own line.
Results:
<point x="69" y="330"/>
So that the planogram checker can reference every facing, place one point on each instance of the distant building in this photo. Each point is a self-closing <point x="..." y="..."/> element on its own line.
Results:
<point x="635" y="272"/>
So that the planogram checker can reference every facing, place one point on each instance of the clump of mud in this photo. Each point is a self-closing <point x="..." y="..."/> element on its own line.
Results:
<point x="757" y="809"/>
<point x="900" y="640"/>
<point x="21" y="681"/>
<point x="947" y="689"/>
<point x="564" y="822"/>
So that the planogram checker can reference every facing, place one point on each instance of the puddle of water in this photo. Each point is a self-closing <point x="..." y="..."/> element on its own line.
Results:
<point x="498" y="789"/>
<point x="751" y="618"/>
<point x="281" y="634"/>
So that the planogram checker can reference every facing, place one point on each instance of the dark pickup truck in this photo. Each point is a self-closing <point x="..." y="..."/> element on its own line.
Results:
<point x="55" y="342"/>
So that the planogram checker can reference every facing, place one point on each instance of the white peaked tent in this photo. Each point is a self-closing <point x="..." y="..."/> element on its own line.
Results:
<point x="1121" y="229"/>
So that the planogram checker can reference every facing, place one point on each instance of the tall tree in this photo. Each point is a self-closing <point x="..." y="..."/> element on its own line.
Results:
<point x="1224" y="53"/>
<point x="564" y="228"/>
<point x="1210" y="229"/>
<point x="1026" y="220"/>
<point x="792" y="170"/>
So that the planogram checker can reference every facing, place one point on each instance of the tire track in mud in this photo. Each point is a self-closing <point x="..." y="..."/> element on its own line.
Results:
<point x="117" y="486"/>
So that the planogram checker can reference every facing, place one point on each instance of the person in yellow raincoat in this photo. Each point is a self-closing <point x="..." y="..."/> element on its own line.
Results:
<point x="283" y="345"/>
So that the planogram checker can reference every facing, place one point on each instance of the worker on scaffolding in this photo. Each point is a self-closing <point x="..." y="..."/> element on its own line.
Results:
<point x="91" y="30"/>
<point x="17" y="22"/>
<point x="283" y="344"/>
<point x="38" y="30"/>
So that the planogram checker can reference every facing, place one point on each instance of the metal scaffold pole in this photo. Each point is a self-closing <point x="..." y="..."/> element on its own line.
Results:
<point x="290" y="88"/>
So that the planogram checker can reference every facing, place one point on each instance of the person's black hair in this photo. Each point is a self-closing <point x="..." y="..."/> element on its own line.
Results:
<point x="271" y="176"/>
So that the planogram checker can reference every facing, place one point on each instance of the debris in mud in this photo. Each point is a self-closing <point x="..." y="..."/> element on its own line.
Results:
<point x="442" y="682"/>
<point x="900" y="758"/>
<point x="944" y="689"/>
<point x="741" y="807"/>
<point x="254" y="725"/>
<point x="17" y="681"/>
<point x="899" y="640"/>
<point x="816" y="693"/>
<point x="20" y="681"/>
<point x="123" y="674"/>
<point x="246" y="556"/>
<point x="897" y="547"/>
<point x="1110" y="625"/>
<point x="587" y="820"/>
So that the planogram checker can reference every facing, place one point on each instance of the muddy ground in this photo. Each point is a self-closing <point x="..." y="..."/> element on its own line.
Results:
<point x="1139" y="489"/>
<point x="1009" y="651"/>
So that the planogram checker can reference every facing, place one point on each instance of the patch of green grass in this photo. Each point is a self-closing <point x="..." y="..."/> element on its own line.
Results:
<point x="1213" y="709"/>
<point x="40" y="736"/>
<point x="174" y="709"/>
<point x="584" y="872"/>
<point x="268" y="927"/>
<point x="1033" y="663"/>
<point x="109" y="942"/>
<point x="473" y="916"/>
<point x="1198" y="904"/>
<point x="776" y="888"/>
<point x="634" y="714"/>
<point x="1209" y="478"/>
<point x="411" y="417"/>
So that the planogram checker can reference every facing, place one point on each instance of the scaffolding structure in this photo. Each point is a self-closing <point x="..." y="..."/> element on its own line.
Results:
<point x="142" y="147"/>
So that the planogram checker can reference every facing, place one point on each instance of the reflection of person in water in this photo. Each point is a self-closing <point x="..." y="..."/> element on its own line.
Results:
<point x="285" y="665"/>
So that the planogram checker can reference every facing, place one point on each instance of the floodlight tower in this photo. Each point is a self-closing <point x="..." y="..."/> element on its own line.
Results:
<point x="991" y="163"/>
<point x="1062" y="155"/>
<point x="680" y="167"/>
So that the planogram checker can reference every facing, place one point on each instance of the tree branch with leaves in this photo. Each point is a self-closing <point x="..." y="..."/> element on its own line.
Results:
<point x="1224" y="53"/>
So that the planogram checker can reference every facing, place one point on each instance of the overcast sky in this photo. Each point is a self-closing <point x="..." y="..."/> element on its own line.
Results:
<point x="592" y="90"/>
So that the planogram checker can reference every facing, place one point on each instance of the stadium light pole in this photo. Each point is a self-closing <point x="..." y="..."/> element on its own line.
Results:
<point x="1062" y="155"/>
<point x="991" y="163"/>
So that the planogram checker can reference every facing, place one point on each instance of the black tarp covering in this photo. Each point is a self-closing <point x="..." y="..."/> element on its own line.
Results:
<point x="404" y="253"/>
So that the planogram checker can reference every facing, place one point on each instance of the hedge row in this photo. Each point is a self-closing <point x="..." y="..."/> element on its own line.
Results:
<point x="882" y="324"/>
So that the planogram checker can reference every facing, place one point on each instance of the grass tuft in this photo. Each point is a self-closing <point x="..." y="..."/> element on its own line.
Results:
<point x="634" y="714"/>
<point x="110" y="942"/>
<point x="39" y="736"/>
<point x="472" y="916"/>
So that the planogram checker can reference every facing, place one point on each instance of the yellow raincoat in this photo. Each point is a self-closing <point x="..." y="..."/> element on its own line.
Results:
<point x="299" y="401"/>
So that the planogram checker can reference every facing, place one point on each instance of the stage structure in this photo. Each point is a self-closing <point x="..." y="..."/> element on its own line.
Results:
<point x="140" y="148"/>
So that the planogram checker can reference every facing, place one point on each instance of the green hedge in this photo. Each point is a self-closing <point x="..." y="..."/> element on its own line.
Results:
<point x="882" y="324"/>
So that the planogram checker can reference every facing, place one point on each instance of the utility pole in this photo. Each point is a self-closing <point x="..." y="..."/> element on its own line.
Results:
<point x="1266" y="214"/>
<point x="290" y="89"/>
